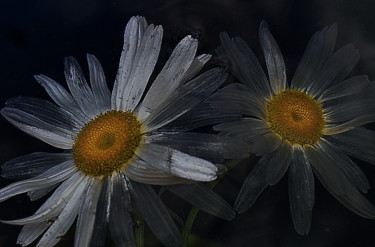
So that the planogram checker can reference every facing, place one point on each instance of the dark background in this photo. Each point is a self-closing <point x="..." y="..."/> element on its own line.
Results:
<point x="35" y="36"/>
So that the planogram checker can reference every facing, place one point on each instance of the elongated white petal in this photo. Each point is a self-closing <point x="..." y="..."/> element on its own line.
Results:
<point x="66" y="218"/>
<point x="196" y="66"/>
<point x="142" y="172"/>
<point x="274" y="59"/>
<point x="244" y="65"/>
<point x="54" y="205"/>
<point x="359" y="143"/>
<point x="30" y="165"/>
<point x="143" y="64"/>
<point x="207" y="146"/>
<point x="334" y="180"/>
<point x="242" y="101"/>
<point x="62" y="97"/>
<point x="349" y="168"/>
<point x="318" y="50"/>
<point x="120" y="219"/>
<point x="133" y="35"/>
<point x="244" y="129"/>
<point x="346" y="126"/>
<point x="201" y="196"/>
<point x="79" y="88"/>
<point x="185" y="98"/>
<point x="345" y="88"/>
<point x="177" y="163"/>
<point x="156" y="215"/>
<point x="100" y="90"/>
<point x="86" y="213"/>
<point x="301" y="191"/>
<point x="254" y="184"/>
<point x="33" y="126"/>
<point x="52" y="176"/>
<point x="170" y="76"/>
<point x="279" y="163"/>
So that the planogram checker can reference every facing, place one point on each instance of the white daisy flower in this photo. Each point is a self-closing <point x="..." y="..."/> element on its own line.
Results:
<point x="116" y="144"/>
<point x="310" y="126"/>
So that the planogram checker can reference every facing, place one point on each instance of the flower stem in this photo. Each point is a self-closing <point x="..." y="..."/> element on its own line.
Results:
<point x="139" y="232"/>
<point x="186" y="230"/>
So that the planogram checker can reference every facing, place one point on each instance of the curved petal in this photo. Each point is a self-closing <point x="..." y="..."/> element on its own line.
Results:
<point x="244" y="65"/>
<point x="201" y="196"/>
<point x="263" y="144"/>
<point x="348" y="167"/>
<point x="318" y="50"/>
<point x="30" y="165"/>
<point x="62" y="98"/>
<point x="244" y="129"/>
<point x="50" y="177"/>
<point x="142" y="172"/>
<point x="185" y="97"/>
<point x="242" y="101"/>
<point x="142" y="67"/>
<point x="334" y="129"/>
<point x="99" y="86"/>
<point x="254" y="184"/>
<point x="335" y="69"/>
<point x="170" y="76"/>
<point x="334" y="180"/>
<point x="156" y="215"/>
<point x="348" y="87"/>
<point x="274" y="59"/>
<point x="86" y="213"/>
<point x="301" y="191"/>
<point x="279" y="163"/>
<point x="66" y="218"/>
<point x="177" y="163"/>
<point x="359" y="143"/>
<point x="120" y="218"/>
<point x="133" y="36"/>
<point x="200" y="115"/>
<point x="207" y="146"/>
<point x="79" y="88"/>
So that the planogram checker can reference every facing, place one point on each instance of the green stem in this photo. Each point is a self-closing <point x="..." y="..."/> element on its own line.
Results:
<point x="186" y="230"/>
<point x="139" y="232"/>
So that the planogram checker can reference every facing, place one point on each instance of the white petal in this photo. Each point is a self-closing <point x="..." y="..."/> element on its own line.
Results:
<point x="79" y="88"/>
<point x="196" y="66"/>
<point x="30" y="165"/>
<point x="132" y="39"/>
<point x="170" y="76"/>
<point x="120" y="219"/>
<point x="57" y="137"/>
<point x="100" y="90"/>
<point x="279" y="163"/>
<point x="274" y="59"/>
<point x="86" y="213"/>
<point x="142" y="172"/>
<point x="62" y="97"/>
<point x="185" y="97"/>
<point x="318" y="50"/>
<point x="143" y="64"/>
<point x="177" y="163"/>
<point x="301" y="191"/>
<point x="348" y="87"/>
<point x="50" y="177"/>
<point x="156" y="215"/>
<point x="201" y="196"/>
<point x="244" y="65"/>
<point x="66" y="218"/>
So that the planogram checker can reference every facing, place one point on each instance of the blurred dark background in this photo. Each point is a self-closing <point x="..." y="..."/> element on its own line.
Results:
<point x="36" y="35"/>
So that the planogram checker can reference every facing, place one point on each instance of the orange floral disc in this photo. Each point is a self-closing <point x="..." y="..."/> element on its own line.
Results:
<point x="296" y="117"/>
<point x="107" y="143"/>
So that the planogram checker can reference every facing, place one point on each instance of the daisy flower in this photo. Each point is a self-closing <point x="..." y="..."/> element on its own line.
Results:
<point x="117" y="144"/>
<point x="309" y="126"/>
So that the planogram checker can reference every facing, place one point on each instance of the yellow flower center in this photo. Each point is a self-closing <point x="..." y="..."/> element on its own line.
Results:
<point x="296" y="117"/>
<point x="107" y="143"/>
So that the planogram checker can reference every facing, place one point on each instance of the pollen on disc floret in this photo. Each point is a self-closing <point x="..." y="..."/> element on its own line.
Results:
<point x="295" y="117"/>
<point x="107" y="143"/>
